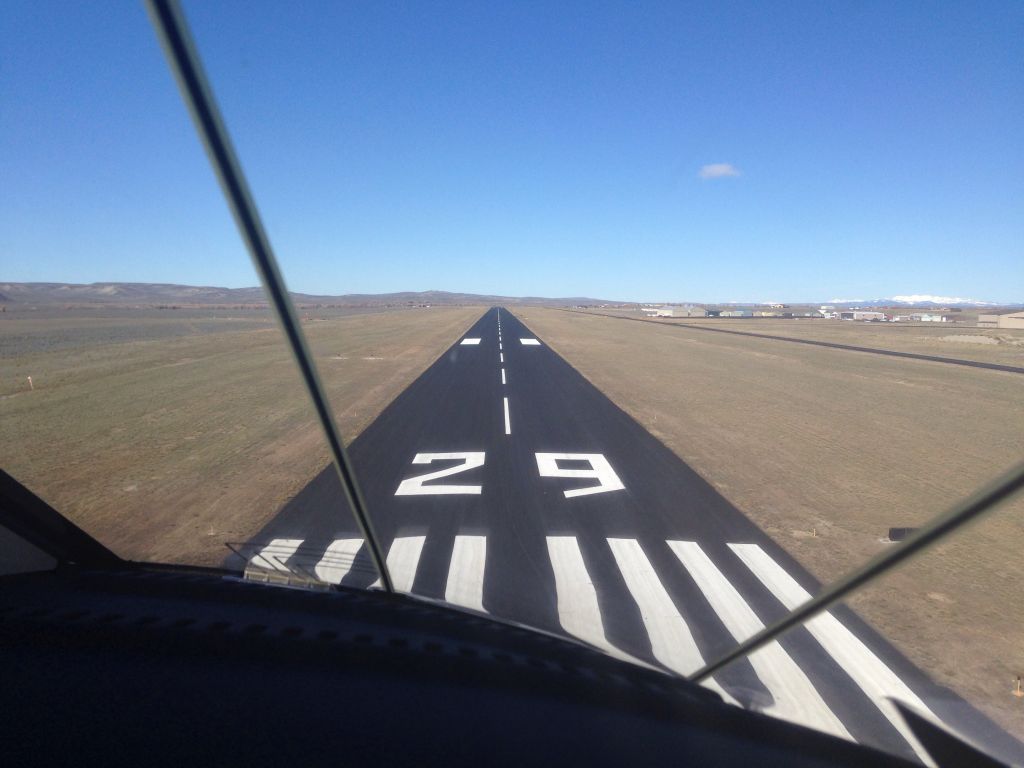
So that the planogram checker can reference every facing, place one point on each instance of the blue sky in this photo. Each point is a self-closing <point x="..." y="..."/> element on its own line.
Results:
<point x="862" y="149"/>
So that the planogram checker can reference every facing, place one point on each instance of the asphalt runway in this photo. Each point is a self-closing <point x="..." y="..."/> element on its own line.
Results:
<point x="503" y="482"/>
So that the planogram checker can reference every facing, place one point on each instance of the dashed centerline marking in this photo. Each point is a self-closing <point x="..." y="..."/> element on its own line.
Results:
<point x="508" y="424"/>
<point x="501" y="357"/>
<point x="503" y="376"/>
<point x="470" y="341"/>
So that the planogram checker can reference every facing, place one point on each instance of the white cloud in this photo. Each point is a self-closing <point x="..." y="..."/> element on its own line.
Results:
<point x="718" y="171"/>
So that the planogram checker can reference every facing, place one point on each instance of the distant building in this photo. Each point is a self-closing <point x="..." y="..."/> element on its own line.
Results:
<point x="736" y="313"/>
<point x="691" y="310"/>
<point x="929" y="317"/>
<point x="1009" y="320"/>
<point x="902" y="319"/>
<point x="652" y="311"/>
<point x="684" y="310"/>
<point x="862" y="314"/>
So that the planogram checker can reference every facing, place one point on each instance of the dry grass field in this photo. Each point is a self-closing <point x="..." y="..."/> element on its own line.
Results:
<point x="167" y="434"/>
<point x="826" y="449"/>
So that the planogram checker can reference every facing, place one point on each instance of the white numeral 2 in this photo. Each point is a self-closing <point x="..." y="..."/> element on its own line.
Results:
<point x="600" y="470"/>
<point x="414" y="486"/>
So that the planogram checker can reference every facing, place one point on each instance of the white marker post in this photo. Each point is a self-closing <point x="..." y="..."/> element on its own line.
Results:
<point x="31" y="386"/>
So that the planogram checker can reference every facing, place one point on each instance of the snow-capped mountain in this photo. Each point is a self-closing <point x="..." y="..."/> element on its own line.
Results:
<point x="921" y="300"/>
<point x="924" y="298"/>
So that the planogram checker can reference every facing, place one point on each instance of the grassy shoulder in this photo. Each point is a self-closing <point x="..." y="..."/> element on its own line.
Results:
<point x="165" y="448"/>
<point x="825" y="450"/>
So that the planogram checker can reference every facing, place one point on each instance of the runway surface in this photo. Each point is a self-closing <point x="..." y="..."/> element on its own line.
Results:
<point x="504" y="482"/>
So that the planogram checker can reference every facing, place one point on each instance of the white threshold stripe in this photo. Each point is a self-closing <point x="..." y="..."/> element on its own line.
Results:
<point x="402" y="560"/>
<point x="671" y="640"/>
<point x="869" y="672"/>
<point x="274" y="554"/>
<point x="578" y="610"/>
<point x="529" y="342"/>
<point x="337" y="560"/>
<point x="466" y="572"/>
<point x="795" y="697"/>
<point x="503" y="376"/>
<point x="470" y="341"/>
<point x="508" y="424"/>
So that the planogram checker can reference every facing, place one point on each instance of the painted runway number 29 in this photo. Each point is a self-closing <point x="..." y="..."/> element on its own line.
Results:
<point x="547" y="466"/>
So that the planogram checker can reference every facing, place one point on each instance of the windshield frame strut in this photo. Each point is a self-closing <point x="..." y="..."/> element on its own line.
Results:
<point x="183" y="57"/>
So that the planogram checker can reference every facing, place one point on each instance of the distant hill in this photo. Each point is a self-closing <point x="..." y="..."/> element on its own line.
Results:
<point x="158" y="294"/>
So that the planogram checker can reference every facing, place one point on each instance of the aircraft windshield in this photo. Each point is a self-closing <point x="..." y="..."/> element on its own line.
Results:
<point x="639" y="325"/>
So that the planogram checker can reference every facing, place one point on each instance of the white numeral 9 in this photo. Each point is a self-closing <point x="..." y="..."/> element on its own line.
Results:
<point x="600" y="470"/>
